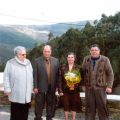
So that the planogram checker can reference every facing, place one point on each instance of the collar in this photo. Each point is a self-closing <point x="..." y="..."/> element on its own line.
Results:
<point x="95" y="58"/>
<point x="25" y="62"/>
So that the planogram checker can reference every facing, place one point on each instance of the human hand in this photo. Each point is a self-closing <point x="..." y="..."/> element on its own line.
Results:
<point x="108" y="90"/>
<point x="61" y="94"/>
<point x="7" y="93"/>
<point x="83" y="88"/>
<point x="35" y="90"/>
<point x="71" y="86"/>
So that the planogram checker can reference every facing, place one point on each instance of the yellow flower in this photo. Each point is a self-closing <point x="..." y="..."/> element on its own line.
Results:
<point x="72" y="77"/>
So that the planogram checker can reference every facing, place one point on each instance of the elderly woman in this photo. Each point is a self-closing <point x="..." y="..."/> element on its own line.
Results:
<point x="69" y="80"/>
<point x="18" y="84"/>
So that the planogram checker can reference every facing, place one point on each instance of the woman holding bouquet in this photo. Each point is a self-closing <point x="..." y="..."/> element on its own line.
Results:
<point x="69" y="80"/>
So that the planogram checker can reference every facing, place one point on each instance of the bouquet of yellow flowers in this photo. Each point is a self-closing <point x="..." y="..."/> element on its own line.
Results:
<point x="72" y="77"/>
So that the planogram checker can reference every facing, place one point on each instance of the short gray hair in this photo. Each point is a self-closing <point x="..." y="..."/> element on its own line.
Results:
<point x="95" y="45"/>
<point x="18" y="49"/>
<point x="47" y="46"/>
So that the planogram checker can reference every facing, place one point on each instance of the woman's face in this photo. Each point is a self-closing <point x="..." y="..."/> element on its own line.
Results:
<point x="70" y="59"/>
<point x="21" y="55"/>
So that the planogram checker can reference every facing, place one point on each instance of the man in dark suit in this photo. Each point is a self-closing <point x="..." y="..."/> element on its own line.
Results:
<point x="45" y="81"/>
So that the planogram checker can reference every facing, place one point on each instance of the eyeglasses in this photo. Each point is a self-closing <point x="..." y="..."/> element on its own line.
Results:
<point x="23" y="54"/>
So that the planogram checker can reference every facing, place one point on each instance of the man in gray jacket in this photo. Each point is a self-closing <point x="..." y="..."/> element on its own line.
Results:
<point x="98" y="80"/>
<point x="45" y="81"/>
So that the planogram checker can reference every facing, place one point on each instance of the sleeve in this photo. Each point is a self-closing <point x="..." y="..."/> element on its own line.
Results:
<point x="81" y="74"/>
<point x="6" y="78"/>
<point x="32" y="76"/>
<point x="82" y="71"/>
<point x="109" y="73"/>
<point x="35" y="76"/>
<point x="57" y="73"/>
<point x="60" y="80"/>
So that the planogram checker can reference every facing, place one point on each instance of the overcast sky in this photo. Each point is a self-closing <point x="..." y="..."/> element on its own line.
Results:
<point x="54" y="11"/>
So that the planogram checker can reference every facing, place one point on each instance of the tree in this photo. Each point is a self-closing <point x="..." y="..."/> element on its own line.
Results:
<point x="50" y="36"/>
<point x="105" y="32"/>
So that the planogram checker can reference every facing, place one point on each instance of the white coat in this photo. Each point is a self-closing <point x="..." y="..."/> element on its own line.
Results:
<point x="18" y="80"/>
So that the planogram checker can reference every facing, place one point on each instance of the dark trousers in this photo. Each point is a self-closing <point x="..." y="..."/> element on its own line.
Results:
<point x="40" y="100"/>
<point x="96" y="99"/>
<point x="19" y="111"/>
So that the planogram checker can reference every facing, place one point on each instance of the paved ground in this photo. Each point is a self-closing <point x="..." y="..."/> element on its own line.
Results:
<point x="59" y="115"/>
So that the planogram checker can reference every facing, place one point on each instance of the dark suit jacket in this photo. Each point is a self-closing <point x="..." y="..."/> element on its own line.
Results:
<point x="40" y="74"/>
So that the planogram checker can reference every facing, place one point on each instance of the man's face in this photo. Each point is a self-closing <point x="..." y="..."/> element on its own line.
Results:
<point x="95" y="52"/>
<point x="47" y="52"/>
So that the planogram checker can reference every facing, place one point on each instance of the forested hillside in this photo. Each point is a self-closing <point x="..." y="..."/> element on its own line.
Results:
<point x="10" y="38"/>
<point x="105" y="32"/>
<point x="29" y="36"/>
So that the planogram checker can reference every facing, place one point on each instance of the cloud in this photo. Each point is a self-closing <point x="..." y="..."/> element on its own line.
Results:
<point x="52" y="11"/>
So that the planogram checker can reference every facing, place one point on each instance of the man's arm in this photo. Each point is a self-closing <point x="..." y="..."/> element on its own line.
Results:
<point x="110" y="76"/>
<point x="82" y="75"/>
<point x="35" y="71"/>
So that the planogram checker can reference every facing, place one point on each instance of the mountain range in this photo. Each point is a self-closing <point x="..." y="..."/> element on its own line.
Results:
<point x="30" y="35"/>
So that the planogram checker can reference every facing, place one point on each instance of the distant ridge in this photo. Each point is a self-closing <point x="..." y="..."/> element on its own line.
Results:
<point x="60" y="28"/>
<point x="30" y="35"/>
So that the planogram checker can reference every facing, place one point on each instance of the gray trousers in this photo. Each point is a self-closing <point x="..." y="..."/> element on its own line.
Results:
<point x="40" y="100"/>
<point x="96" y="99"/>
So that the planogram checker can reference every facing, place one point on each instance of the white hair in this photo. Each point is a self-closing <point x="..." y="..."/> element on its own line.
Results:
<point x="18" y="49"/>
<point x="47" y="46"/>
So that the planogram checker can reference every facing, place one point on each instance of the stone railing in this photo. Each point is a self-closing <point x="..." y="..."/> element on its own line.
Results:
<point x="110" y="97"/>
